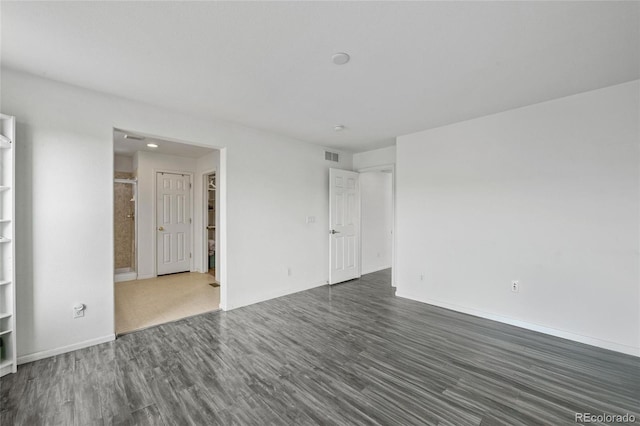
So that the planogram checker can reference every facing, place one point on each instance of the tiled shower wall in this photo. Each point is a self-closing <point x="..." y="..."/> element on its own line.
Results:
<point x="124" y="227"/>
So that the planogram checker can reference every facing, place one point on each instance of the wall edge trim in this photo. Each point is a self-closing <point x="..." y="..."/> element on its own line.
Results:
<point x="35" y="356"/>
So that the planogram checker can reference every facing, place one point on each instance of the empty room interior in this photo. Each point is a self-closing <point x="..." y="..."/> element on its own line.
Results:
<point x="389" y="213"/>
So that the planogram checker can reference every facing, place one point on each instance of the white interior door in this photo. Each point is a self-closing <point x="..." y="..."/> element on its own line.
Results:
<point x="173" y="222"/>
<point x="344" y="226"/>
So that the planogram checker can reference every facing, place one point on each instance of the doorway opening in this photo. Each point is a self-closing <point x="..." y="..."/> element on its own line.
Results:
<point x="377" y="219"/>
<point x="160" y="206"/>
<point x="210" y="188"/>
<point x="361" y="223"/>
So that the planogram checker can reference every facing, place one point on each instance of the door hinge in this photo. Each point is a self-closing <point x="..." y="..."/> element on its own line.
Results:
<point x="189" y="255"/>
<point x="189" y="185"/>
<point x="189" y="220"/>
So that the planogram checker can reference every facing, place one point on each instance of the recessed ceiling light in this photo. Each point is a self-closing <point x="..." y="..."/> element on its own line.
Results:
<point x="152" y="145"/>
<point x="338" y="128"/>
<point x="340" y="58"/>
<point x="135" y="138"/>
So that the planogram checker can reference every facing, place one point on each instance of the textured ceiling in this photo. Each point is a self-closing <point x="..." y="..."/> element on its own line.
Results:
<point x="127" y="147"/>
<point x="414" y="66"/>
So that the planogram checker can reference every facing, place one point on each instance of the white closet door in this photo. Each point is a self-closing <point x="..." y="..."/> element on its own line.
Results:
<point x="173" y="217"/>
<point x="344" y="226"/>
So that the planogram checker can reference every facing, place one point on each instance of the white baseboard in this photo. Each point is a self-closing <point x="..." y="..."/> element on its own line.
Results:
<point x="273" y="295"/>
<point x="23" y="359"/>
<point x="125" y="276"/>
<point x="146" y="277"/>
<point x="6" y="370"/>
<point x="605" y="344"/>
<point x="371" y="269"/>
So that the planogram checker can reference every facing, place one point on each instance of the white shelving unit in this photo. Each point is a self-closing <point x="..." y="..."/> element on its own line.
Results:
<point x="8" y="360"/>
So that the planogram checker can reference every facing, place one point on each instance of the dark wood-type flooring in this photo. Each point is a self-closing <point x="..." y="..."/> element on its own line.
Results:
<point x="348" y="354"/>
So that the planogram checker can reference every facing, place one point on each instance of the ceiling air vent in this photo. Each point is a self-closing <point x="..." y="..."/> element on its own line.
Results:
<point x="331" y="156"/>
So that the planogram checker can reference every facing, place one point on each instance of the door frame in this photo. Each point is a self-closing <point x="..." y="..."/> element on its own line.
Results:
<point x="221" y="184"/>
<point x="154" y="205"/>
<point x="205" y="213"/>
<point x="380" y="168"/>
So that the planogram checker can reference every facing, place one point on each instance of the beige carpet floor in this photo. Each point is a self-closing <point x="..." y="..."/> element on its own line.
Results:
<point x="143" y="303"/>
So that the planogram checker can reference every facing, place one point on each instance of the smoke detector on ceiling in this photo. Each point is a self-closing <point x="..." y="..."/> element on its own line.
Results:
<point x="340" y="58"/>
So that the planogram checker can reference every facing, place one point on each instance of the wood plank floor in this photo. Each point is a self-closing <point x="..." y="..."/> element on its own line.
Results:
<point x="348" y="354"/>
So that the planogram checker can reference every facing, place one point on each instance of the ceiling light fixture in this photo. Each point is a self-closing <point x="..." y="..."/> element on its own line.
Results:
<point x="135" y="138"/>
<point x="338" y="128"/>
<point x="340" y="58"/>
<point x="152" y="145"/>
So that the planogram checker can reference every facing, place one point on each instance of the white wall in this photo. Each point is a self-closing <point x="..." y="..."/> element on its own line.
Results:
<point x="122" y="163"/>
<point x="376" y="200"/>
<point x="65" y="199"/>
<point x="376" y="157"/>
<point x="547" y="195"/>
<point x="276" y="184"/>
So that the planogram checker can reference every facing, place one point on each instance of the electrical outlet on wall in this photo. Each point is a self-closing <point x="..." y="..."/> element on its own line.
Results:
<point x="515" y="286"/>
